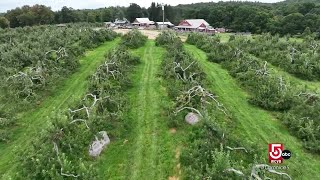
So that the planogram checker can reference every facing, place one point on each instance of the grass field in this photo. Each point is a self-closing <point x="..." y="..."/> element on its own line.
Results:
<point x="149" y="150"/>
<point x="255" y="125"/>
<point x="32" y="122"/>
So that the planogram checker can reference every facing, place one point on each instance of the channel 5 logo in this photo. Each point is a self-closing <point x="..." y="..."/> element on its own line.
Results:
<point x="277" y="154"/>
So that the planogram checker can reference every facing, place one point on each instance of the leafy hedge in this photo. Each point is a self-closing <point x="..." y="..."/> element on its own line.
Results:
<point x="34" y="59"/>
<point x="61" y="151"/>
<point x="303" y="121"/>
<point x="204" y="154"/>
<point x="168" y="38"/>
<point x="268" y="91"/>
<point x="43" y="54"/>
<point x="134" y="39"/>
<point x="298" y="58"/>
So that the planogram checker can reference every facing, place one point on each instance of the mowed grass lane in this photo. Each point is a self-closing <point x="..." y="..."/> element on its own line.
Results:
<point x="295" y="81"/>
<point x="32" y="122"/>
<point x="149" y="150"/>
<point x="255" y="125"/>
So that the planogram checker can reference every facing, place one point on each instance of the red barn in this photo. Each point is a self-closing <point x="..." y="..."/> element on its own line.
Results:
<point x="199" y="25"/>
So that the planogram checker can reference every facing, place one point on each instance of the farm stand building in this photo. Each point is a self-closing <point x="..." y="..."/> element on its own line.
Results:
<point x="142" y="22"/>
<point x="121" y="22"/>
<point x="199" y="25"/>
<point x="162" y="25"/>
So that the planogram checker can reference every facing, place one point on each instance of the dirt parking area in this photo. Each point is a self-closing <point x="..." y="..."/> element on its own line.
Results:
<point x="152" y="34"/>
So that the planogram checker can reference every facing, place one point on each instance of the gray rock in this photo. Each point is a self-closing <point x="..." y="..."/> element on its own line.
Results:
<point x="192" y="118"/>
<point x="99" y="144"/>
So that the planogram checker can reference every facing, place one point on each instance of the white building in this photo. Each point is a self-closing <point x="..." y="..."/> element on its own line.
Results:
<point x="165" y="25"/>
<point x="143" y="22"/>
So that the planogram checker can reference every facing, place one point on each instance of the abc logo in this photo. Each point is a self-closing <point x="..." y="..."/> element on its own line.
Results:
<point x="286" y="154"/>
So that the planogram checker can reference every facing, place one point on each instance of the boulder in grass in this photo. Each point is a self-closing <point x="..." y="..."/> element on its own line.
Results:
<point x="99" y="144"/>
<point x="192" y="118"/>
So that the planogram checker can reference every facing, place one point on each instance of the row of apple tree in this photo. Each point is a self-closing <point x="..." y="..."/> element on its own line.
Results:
<point x="298" y="107"/>
<point x="67" y="149"/>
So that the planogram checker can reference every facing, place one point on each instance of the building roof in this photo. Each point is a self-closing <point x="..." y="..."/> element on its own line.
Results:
<point x="194" y="23"/>
<point x="142" y="21"/>
<point x="166" y="23"/>
<point x="121" y="21"/>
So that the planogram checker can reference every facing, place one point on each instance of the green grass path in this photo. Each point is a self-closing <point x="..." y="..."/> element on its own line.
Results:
<point x="255" y="125"/>
<point x="148" y="152"/>
<point x="69" y="90"/>
<point x="309" y="85"/>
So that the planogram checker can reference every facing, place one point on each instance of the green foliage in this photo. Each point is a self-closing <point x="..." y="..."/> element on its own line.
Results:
<point x="4" y="22"/>
<point x="169" y="38"/>
<point x="299" y="59"/>
<point x="177" y="81"/>
<point x="282" y="18"/>
<point x="271" y="93"/>
<point x="34" y="59"/>
<point x="7" y="121"/>
<point x="203" y="157"/>
<point x="29" y="16"/>
<point x="44" y="53"/>
<point x="63" y="147"/>
<point x="134" y="11"/>
<point x="268" y="91"/>
<point x="134" y="39"/>
<point x="203" y="41"/>
<point x="303" y="121"/>
<point x="206" y="157"/>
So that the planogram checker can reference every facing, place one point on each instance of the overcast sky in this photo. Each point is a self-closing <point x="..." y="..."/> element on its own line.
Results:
<point x="92" y="4"/>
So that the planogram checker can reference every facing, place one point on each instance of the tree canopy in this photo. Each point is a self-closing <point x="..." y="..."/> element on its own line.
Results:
<point x="288" y="17"/>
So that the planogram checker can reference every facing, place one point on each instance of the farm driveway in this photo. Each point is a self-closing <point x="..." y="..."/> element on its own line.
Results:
<point x="149" y="151"/>
<point x="152" y="34"/>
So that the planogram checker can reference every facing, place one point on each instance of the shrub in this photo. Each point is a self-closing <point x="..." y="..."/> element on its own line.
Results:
<point x="168" y="38"/>
<point x="134" y="39"/>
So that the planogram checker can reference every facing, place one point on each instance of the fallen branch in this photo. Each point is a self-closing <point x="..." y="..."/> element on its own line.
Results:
<point x="77" y="110"/>
<point x="203" y="94"/>
<point x="282" y="85"/>
<point x="307" y="94"/>
<point x="237" y="148"/>
<point x="80" y="120"/>
<point x="292" y="53"/>
<point x="238" y="52"/>
<point x="184" y="78"/>
<point x="235" y="171"/>
<point x="55" y="147"/>
<point x="60" y="53"/>
<point x="100" y="74"/>
<point x="86" y="108"/>
<point x="263" y="71"/>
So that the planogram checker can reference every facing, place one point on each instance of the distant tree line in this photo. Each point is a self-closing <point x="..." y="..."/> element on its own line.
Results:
<point x="289" y="17"/>
<point x="282" y="18"/>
